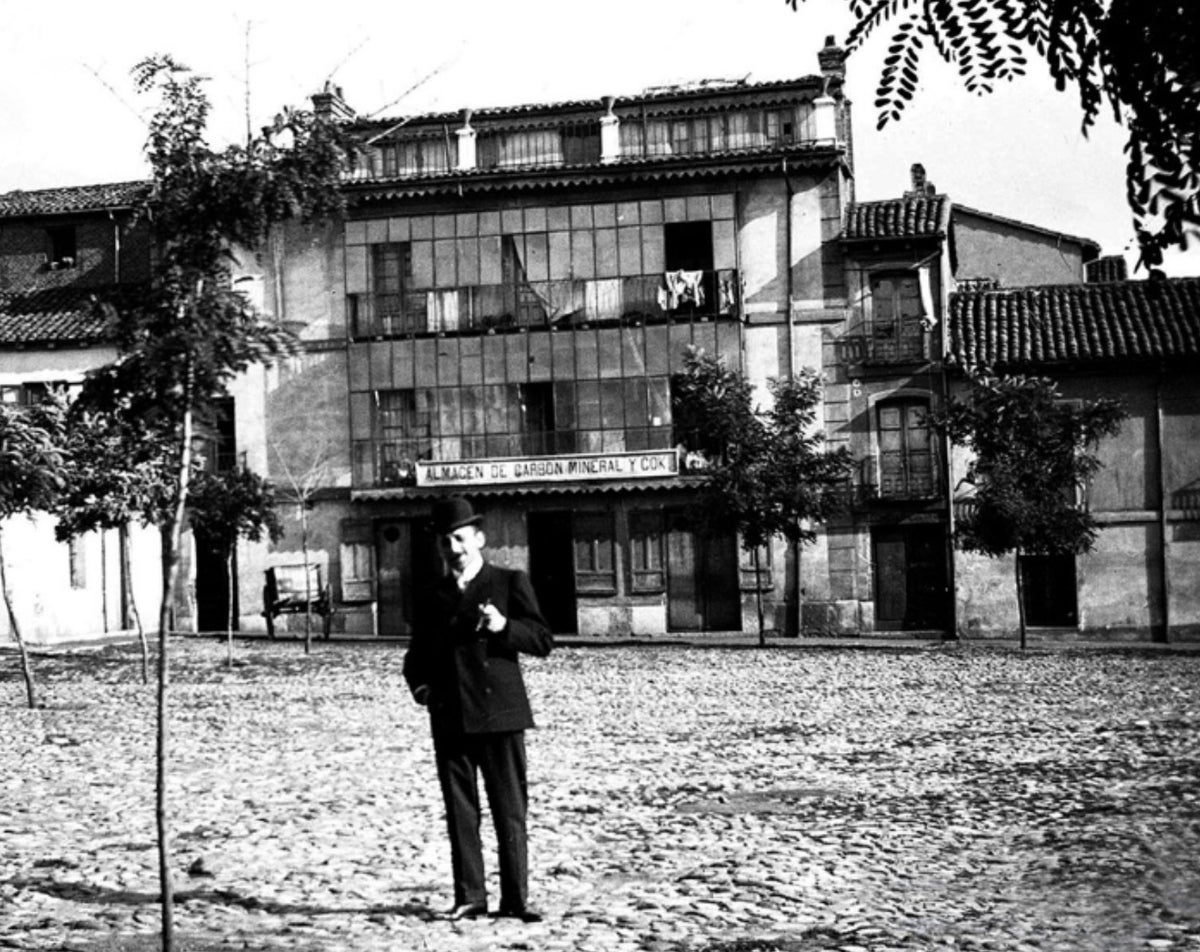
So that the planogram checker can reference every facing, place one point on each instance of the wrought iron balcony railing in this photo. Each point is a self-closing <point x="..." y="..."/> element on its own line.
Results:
<point x="888" y="345"/>
<point x="898" y="478"/>
<point x="563" y="303"/>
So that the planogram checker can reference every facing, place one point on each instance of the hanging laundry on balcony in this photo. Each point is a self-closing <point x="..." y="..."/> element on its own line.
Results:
<point x="603" y="299"/>
<point x="929" y="318"/>
<point x="442" y="308"/>
<point x="680" y="288"/>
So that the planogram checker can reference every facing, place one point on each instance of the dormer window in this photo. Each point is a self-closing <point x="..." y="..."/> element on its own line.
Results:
<point x="62" y="253"/>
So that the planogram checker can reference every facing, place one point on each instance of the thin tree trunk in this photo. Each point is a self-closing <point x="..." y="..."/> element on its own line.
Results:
<point x="1020" y="596"/>
<point x="170" y="571"/>
<point x="127" y="583"/>
<point x="26" y="669"/>
<point x="229" y="608"/>
<point x="307" y="587"/>
<point x="762" y="633"/>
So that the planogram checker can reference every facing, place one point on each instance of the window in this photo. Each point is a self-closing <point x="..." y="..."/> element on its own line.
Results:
<point x="394" y="308"/>
<point x="763" y="577"/>
<point x="905" y="450"/>
<point x="896" y="333"/>
<point x="595" y="561"/>
<point x="1050" y="587"/>
<point x="357" y="562"/>
<point x="215" y="446"/>
<point x="62" y="251"/>
<point x="402" y="426"/>
<point x="415" y="156"/>
<point x="646" y="558"/>
<point x="26" y="394"/>
<point x="77" y="562"/>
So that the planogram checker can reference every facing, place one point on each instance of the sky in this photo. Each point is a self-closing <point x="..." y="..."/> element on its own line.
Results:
<point x="69" y="114"/>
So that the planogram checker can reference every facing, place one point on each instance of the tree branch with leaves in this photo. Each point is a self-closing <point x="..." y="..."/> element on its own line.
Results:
<point x="191" y="334"/>
<point x="765" y="473"/>
<point x="1032" y="457"/>
<point x="1137" y="58"/>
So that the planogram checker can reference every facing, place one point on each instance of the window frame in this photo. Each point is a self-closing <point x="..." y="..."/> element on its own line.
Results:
<point x="647" y="551"/>
<point x="903" y="404"/>
<point x="596" y="572"/>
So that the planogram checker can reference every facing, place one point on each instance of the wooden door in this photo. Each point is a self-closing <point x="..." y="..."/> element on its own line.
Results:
<point x="702" y="581"/>
<point x="910" y="578"/>
<point x="394" y="579"/>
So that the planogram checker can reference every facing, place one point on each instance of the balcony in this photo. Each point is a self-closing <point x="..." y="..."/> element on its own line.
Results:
<point x="380" y="464"/>
<point x="544" y="304"/>
<point x="571" y="141"/>
<point x="889" y="344"/>
<point x="896" y="478"/>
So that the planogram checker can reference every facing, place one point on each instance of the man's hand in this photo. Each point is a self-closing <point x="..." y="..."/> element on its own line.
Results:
<point x="490" y="618"/>
<point x="421" y="694"/>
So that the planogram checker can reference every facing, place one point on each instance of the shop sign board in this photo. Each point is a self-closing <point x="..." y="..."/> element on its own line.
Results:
<point x="581" y="467"/>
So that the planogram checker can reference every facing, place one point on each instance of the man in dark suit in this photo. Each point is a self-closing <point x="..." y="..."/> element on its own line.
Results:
<point x="462" y="664"/>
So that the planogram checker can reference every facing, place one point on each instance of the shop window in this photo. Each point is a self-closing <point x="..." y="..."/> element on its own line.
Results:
<point x="764" y="577"/>
<point x="646" y="551"/>
<point x="906" y="469"/>
<point x="595" y="556"/>
<point x="62" y="252"/>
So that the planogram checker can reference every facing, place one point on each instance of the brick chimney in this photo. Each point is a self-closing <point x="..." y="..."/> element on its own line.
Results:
<point x="833" y="61"/>
<point x="921" y="186"/>
<point x="1105" y="269"/>
<point x="329" y="105"/>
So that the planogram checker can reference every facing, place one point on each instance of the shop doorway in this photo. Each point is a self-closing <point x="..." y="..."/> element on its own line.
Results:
<point x="407" y="566"/>
<point x="1051" y="600"/>
<point x="702" y="580"/>
<point x="910" y="578"/>
<point x="552" y="569"/>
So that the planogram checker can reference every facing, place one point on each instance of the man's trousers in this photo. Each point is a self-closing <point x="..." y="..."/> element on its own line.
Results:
<point x="500" y="758"/>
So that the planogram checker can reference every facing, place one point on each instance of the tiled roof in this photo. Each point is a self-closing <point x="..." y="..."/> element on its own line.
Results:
<point x="1076" y="322"/>
<point x="926" y="216"/>
<point x="53" y="316"/>
<point x="78" y="198"/>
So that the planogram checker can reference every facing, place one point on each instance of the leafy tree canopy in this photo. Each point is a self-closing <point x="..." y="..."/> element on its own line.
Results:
<point x="237" y="503"/>
<point x="31" y="457"/>
<point x="1031" y="455"/>
<point x="765" y="473"/>
<point x="1139" y="58"/>
<point x="190" y="333"/>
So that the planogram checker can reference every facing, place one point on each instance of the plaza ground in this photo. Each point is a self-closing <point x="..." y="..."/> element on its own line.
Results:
<point x="684" y="799"/>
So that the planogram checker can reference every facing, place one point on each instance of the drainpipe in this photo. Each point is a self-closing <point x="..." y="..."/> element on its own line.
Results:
<point x="1163" y="560"/>
<point x="791" y="366"/>
<point x="116" y="247"/>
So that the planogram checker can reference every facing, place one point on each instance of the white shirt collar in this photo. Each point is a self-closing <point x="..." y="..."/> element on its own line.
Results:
<point x="464" y="579"/>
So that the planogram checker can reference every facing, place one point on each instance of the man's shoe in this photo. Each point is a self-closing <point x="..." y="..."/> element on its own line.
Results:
<point x="524" y="913"/>
<point x="468" y="910"/>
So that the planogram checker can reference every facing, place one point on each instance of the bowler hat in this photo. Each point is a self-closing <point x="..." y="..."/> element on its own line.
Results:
<point x="452" y="513"/>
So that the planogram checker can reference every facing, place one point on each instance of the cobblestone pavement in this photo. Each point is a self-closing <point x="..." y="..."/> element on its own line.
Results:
<point x="683" y="800"/>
